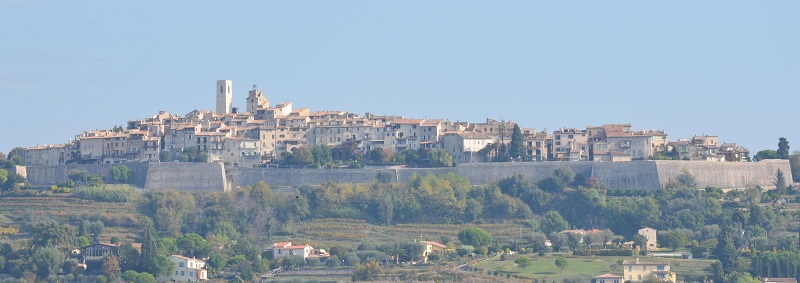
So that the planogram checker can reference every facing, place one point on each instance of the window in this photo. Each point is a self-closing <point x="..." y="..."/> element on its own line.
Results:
<point x="660" y="267"/>
<point x="221" y="90"/>
<point x="630" y="268"/>
<point x="640" y="277"/>
<point x="183" y="273"/>
<point x="180" y="264"/>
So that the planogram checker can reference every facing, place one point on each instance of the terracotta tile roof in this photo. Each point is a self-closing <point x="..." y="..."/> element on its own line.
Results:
<point x="296" y="247"/>
<point x="435" y="244"/>
<point x="187" y="258"/>
<point x="608" y="276"/>
<point x="408" y="121"/>
<point x="470" y="135"/>
<point x="645" y="263"/>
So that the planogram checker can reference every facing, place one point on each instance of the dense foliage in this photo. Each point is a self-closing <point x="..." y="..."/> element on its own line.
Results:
<point x="233" y="228"/>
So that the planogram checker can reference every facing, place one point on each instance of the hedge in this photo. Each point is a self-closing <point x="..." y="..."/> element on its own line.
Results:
<point x="603" y="253"/>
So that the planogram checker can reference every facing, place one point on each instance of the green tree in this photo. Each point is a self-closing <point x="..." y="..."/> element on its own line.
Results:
<point x="517" y="147"/>
<point x="82" y="241"/>
<point x="52" y="234"/>
<point x="686" y="179"/>
<point x="562" y="263"/>
<point x="121" y="174"/>
<point x="726" y="250"/>
<point x="298" y="156"/>
<point x="367" y="271"/>
<point x="3" y="176"/>
<point x="783" y="148"/>
<point x="47" y="261"/>
<point x="111" y="267"/>
<point x="523" y="262"/>
<point x="766" y="154"/>
<point x="193" y="245"/>
<point x="322" y="155"/>
<point x="673" y="240"/>
<point x="553" y="222"/>
<point x="440" y="158"/>
<point x="640" y="241"/>
<point x="474" y="236"/>
<point x="147" y="260"/>
<point x="780" y="181"/>
<point x="536" y="240"/>
<point x="563" y="177"/>
<point x="216" y="262"/>
<point x="128" y="257"/>
<point x="162" y="266"/>
<point x="164" y="156"/>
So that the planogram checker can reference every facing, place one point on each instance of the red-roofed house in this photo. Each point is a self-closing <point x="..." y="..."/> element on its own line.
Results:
<point x="282" y="249"/>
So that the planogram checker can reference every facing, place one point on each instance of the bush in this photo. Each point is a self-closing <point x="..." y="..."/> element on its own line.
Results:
<point x="333" y="261"/>
<point x="108" y="193"/>
<point x="312" y="261"/>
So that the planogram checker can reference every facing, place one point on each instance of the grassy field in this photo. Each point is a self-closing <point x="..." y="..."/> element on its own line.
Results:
<point x="545" y="268"/>
<point x="348" y="232"/>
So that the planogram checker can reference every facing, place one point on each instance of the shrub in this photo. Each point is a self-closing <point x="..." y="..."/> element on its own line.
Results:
<point x="108" y="193"/>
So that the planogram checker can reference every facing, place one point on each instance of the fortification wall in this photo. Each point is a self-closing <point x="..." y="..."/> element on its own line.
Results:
<point x="485" y="173"/>
<point x="186" y="176"/>
<point x="296" y="177"/>
<point x="44" y="176"/>
<point x="482" y="173"/>
<point x="634" y="174"/>
<point x="627" y="175"/>
<point x="726" y="174"/>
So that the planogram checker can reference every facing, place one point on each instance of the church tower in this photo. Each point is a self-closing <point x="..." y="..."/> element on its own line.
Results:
<point x="224" y="96"/>
<point x="256" y="100"/>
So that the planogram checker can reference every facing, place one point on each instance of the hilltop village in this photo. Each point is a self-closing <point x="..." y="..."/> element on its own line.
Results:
<point x="261" y="134"/>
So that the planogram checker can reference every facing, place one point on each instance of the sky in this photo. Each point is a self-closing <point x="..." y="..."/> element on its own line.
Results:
<point x="725" y="68"/>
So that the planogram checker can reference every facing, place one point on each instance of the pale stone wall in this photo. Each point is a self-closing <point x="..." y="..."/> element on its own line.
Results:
<point x="651" y="175"/>
<point x="186" y="177"/>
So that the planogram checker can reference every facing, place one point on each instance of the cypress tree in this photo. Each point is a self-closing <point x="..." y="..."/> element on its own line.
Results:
<point x="148" y="256"/>
<point x="517" y="147"/>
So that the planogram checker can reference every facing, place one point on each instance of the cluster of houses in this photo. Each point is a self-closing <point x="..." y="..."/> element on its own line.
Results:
<point x="261" y="133"/>
<point x="194" y="270"/>
<point x="186" y="269"/>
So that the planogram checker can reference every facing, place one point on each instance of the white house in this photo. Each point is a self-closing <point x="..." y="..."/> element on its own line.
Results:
<point x="282" y="249"/>
<point x="186" y="270"/>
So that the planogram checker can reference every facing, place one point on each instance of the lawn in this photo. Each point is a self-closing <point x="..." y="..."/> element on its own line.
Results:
<point x="545" y="267"/>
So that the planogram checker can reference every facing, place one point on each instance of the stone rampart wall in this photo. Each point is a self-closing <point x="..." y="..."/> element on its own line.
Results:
<point x="44" y="176"/>
<point x="186" y="177"/>
<point x="651" y="175"/>
<point x="726" y="174"/>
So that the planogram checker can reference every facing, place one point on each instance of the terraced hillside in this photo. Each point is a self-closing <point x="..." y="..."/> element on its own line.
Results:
<point x="120" y="219"/>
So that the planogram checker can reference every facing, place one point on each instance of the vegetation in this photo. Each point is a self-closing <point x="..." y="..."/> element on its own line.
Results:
<point x="562" y="263"/>
<point x="375" y="228"/>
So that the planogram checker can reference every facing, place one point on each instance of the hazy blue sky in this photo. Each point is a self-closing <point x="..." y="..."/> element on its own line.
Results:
<point x="726" y="68"/>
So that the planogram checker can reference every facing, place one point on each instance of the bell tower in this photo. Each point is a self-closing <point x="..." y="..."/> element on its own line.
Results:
<point x="224" y="96"/>
<point x="256" y="100"/>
